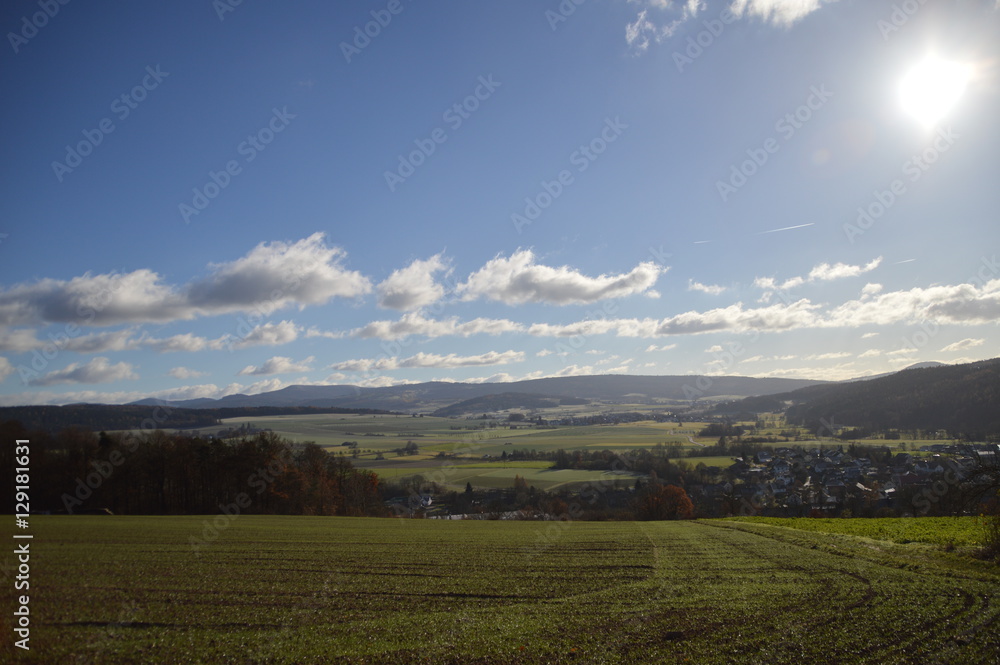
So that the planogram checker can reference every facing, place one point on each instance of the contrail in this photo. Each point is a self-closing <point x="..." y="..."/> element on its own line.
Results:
<point x="787" y="228"/>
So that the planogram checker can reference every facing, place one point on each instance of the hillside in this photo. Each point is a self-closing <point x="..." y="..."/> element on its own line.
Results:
<point x="439" y="394"/>
<point x="503" y="402"/>
<point x="962" y="399"/>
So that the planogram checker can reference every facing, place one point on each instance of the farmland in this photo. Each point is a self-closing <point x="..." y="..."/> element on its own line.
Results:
<point x="379" y="436"/>
<point x="353" y="590"/>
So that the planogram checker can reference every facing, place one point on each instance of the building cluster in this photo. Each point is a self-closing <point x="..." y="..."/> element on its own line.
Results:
<point x="807" y="481"/>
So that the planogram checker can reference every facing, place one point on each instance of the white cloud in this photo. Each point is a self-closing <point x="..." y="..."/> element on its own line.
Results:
<point x="518" y="279"/>
<point x="735" y="318"/>
<point x="412" y="287"/>
<point x="959" y="303"/>
<point x="98" y="370"/>
<point x="267" y="334"/>
<point x="277" y="365"/>
<point x="871" y="353"/>
<point x="962" y="345"/>
<point x="23" y="340"/>
<point x="824" y="272"/>
<point x="185" y="342"/>
<point x="871" y="289"/>
<point x="278" y="274"/>
<point x="269" y="277"/>
<point x="715" y="348"/>
<point x="779" y="12"/>
<point x="185" y="373"/>
<point x="869" y="335"/>
<point x="428" y="360"/>
<point x="829" y="356"/>
<point x="415" y="323"/>
<point x="710" y="289"/>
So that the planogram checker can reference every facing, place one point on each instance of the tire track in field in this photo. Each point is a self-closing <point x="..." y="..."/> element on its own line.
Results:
<point x="931" y="629"/>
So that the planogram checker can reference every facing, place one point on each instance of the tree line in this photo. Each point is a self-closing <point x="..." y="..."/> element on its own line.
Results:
<point x="158" y="473"/>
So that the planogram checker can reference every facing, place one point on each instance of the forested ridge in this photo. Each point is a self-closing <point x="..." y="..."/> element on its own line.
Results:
<point x="962" y="399"/>
<point x="158" y="473"/>
<point x="110" y="417"/>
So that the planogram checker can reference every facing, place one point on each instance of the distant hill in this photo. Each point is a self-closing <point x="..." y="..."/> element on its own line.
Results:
<point x="962" y="399"/>
<point x="924" y="365"/>
<point x="434" y="395"/>
<point x="97" y="417"/>
<point x="503" y="402"/>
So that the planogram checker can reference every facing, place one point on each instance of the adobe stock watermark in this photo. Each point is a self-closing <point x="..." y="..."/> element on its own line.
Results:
<point x="122" y="106"/>
<point x="696" y="44"/>
<point x="249" y="148"/>
<point x="786" y="127"/>
<point x="913" y="169"/>
<point x="581" y="159"/>
<point x="259" y="480"/>
<point x="223" y="7"/>
<point x="31" y="25"/>
<point x="454" y="116"/>
<point x="900" y="16"/>
<point x="103" y="469"/>
<point x="363" y="35"/>
<point x="562" y="12"/>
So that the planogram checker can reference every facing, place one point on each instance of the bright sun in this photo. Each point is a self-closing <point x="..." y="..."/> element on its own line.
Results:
<point x="932" y="88"/>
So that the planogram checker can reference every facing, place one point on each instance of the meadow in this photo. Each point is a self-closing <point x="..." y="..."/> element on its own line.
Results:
<point x="361" y="590"/>
<point x="473" y="452"/>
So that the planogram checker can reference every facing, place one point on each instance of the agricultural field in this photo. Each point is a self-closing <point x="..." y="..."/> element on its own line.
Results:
<point x="946" y="531"/>
<point x="362" y="590"/>
<point x="383" y="434"/>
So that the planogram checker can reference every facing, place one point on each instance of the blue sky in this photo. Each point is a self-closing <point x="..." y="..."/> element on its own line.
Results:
<point x="202" y="198"/>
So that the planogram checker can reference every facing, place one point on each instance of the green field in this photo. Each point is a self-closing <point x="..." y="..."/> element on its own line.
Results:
<point x="383" y="434"/>
<point x="353" y="590"/>
<point x="957" y="531"/>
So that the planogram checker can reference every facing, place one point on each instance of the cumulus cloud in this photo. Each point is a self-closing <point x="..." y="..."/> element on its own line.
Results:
<point x="778" y="12"/>
<point x="22" y="340"/>
<point x="277" y="365"/>
<point x="185" y="373"/>
<point x="958" y="303"/>
<point x="829" y="356"/>
<point x="415" y="323"/>
<point x="266" y="334"/>
<point x="270" y="277"/>
<point x="428" y="360"/>
<point x="519" y="279"/>
<point x="414" y="286"/>
<point x="737" y="319"/>
<point x="183" y="342"/>
<point x="98" y="370"/>
<point x="710" y="289"/>
<point x="275" y="275"/>
<point x="962" y="345"/>
<point x="824" y="272"/>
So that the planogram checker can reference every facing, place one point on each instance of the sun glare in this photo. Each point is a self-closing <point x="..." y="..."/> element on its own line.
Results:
<point x="932" y="88"/>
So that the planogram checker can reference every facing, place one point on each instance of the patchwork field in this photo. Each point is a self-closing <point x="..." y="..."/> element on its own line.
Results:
<point x="309" y="590"/>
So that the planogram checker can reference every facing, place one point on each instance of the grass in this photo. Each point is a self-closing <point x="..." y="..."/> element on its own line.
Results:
<point x="945" y="531"/>
<point x="277" y="590"/>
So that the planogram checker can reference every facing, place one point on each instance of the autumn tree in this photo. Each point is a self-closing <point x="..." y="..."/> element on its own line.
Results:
<point x="665" y="502"/>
